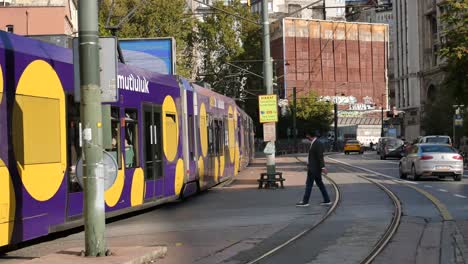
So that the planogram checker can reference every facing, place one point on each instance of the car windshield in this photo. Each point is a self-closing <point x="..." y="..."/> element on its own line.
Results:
<point x="436" y="148"/>
<point x="353" y="142"/>
<point x="444" y="140"/>
<point x="394" y="143"/>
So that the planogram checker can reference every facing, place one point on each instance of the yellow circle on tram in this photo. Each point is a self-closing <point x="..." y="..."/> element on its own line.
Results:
<point x="179" y="177"/>
<point x="237" y="160"/>
<point x="7" y="205"/>
<point x="203" y="130"/>
<point x="216" y="169"/>
<point x="170" y="127"/>
<point x="138" y="187"/>
<point x="112" y="195"/>
<point x="231" y="134"/>
<point x="39" y="130"/>
<point x="1" y="84"/>
<point x="201" y="172"/>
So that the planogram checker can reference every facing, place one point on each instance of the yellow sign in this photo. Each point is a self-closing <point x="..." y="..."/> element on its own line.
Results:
<point x="268" y="108"/>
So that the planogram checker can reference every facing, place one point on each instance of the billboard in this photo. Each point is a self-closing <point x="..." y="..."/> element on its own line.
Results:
<point x="154" y="54"/>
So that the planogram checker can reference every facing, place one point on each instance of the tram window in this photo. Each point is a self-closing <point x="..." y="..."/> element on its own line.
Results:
<point x="211" y="149"/>
<point x="73" y="143"/>
<point x="221" y="137"/>
<point x="131" y="138"/>
<point x="115" y="149"/>
<point x="190" y="136"/>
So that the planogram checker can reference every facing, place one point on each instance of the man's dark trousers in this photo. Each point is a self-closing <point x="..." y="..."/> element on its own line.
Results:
<point x="314" y="175"/>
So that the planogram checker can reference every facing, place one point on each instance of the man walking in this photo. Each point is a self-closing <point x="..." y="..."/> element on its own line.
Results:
<point x="315" y="168"/>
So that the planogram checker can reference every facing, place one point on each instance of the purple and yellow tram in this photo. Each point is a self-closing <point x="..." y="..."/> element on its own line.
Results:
<point x="171" y="138"/>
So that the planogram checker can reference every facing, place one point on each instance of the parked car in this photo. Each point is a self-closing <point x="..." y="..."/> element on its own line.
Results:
<point x="353" y="146"/>
<point x="427" y="159"/>
<point x="381" y="143"/>
<point x="391" y="147"/>
<point x="436" y="140"/>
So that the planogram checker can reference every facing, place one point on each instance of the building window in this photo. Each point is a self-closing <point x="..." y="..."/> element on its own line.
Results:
<point x="10" y="29"/>
<point x="292" y="8"/>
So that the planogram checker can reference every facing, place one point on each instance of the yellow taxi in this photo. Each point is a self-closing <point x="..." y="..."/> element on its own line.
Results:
<point x="353" y="146"/>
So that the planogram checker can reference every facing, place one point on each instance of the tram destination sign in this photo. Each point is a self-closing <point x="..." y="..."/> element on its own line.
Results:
<point x="268" y="108"/>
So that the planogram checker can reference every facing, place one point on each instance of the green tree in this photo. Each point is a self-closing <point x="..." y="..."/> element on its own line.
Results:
<point x="438" y="114"/>
<point x="455" y="48"/>
<point x="161" y="18"/>
<point x="313" y="114"/>
<point x="223" y="38"/>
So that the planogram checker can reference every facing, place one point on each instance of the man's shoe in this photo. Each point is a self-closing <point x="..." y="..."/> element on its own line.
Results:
<point x="302" y="204"/>
<point x="326" y="203"/>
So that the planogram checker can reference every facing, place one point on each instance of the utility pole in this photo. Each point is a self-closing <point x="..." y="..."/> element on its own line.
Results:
<point x="268" y="75"/>
<point x="382" y="119"/>
<point x="93" y="172"/>
<point x="294" y="119"/>
<point x="324" y="10"/>
<point x="335" y="117"/>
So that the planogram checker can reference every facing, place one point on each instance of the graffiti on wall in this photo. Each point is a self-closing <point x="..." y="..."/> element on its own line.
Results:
<point x="366" y="104"/>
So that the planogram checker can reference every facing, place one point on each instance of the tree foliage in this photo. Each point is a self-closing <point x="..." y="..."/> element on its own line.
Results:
<point x="161" y="18"/>
<point x="455" y="48"/>
<point x="223" y="39"/>
<point x="438" y="116"/>
<point x="312" y="114"/>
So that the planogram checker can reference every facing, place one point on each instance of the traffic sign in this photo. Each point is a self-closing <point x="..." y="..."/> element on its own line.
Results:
<point x="269" y="132"/>
<point x="268" y="108"/>
<point x="458" y="120"/>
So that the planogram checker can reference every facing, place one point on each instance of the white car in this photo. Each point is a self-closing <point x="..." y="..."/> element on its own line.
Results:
<point x="436" y="140"/>
<point x="431" y="160"/>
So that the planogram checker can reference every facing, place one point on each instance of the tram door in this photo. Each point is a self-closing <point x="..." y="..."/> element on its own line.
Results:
<point x="152" y="149"/>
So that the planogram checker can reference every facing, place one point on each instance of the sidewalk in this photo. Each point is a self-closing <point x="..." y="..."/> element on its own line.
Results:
<point x="209" y="228"/>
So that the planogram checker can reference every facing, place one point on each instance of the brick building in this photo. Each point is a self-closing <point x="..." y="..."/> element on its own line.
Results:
<point x="343" y="62"/>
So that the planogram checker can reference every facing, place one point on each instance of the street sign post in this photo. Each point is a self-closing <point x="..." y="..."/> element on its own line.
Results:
<point x="268" y="108"/>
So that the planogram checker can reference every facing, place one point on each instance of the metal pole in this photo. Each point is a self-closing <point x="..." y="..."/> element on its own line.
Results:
<point x="324" y="11"/>
<point x="381" y="117"/>
<point x="335" y="140"/>
<point x="294" y="119"/>
<point x="94" y="220"/>
<point x="268" y="75"/>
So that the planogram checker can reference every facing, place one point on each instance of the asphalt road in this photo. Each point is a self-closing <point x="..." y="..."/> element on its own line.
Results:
<point x="452" y="194"/>
<point x="237" y="223"/>
<point x="424" y="227"/>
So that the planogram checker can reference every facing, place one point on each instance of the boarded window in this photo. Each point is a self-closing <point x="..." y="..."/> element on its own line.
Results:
<point x="39" y="139"/>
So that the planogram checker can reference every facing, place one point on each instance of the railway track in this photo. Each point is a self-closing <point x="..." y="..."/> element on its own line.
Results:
<point x="377" y="248"/>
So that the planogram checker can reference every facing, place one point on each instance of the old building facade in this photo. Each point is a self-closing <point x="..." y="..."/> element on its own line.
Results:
<point x="418" y="69"/>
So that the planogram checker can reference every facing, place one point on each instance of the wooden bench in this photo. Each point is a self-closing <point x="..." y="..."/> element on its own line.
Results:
<point x="265" y="180"/>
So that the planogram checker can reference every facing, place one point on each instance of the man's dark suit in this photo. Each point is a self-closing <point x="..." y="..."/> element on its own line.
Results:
<point x="314" y="171"/>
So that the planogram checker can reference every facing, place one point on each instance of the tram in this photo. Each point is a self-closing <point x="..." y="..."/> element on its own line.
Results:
<point x="170" y="138"/>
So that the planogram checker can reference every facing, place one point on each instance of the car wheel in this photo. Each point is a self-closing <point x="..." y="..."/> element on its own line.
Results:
<point x="457" y="177"/>
<point x="416" y="177"/>
<point x="346" y="152"/>
<point x="402" y="174"/>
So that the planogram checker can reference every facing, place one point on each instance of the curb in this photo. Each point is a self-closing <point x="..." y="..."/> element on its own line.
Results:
<point x="150" y="257"/>
<point x="123" y="255"/>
